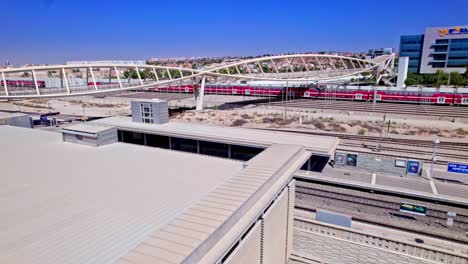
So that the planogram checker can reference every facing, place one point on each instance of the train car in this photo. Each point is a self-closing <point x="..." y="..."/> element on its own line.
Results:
<point x="97" y="83"/>
<point x="23" y="83"/>
<point x="441" y="96"/>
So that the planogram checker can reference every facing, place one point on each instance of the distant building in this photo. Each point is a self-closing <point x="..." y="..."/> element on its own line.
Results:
<point x="374" y="53"/>
<point x="126" y="62"/>
<point x="440" y="48"/>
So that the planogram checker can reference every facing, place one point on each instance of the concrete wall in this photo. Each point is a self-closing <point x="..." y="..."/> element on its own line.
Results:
<point x="402" y="71"/>
<point x="271" y="239"/>
<point x="249" y="250"/>
<point x="325" y="249"/>
<point x="90" y="139"/>
<point x="17" y="120"/>
<point x="274" y="226"/>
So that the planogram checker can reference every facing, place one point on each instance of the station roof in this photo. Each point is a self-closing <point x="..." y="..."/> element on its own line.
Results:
<point x="69" y="203"/>
<point x="6" y="115"/>
<point x="232" y="135"/>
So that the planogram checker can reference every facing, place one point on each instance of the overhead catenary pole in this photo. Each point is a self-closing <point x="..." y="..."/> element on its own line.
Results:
<point x="436" y="143"/>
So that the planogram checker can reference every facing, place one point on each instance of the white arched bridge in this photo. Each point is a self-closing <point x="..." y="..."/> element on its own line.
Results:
<point x="87" y="79"/>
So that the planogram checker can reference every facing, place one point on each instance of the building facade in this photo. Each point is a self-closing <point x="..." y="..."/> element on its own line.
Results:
<point x="440" y="48"/>
<point x="411" y="46"/>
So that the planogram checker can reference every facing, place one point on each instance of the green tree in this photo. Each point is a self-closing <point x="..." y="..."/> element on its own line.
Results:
<point x="133" y="74"/>
<point x="265" y="68"/>
<point x="456" y="79"/>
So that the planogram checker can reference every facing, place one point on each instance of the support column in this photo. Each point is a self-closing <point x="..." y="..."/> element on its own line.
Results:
<point x="117" y="73"/>
<point x="138" y="75"/>
<point x="402" y="72"/>
<point x="35" y="82"/>
<point x="65" y="79"/>
<point x="375" y="98"/>
<point x="201" y="93"/>
<point x="5" y="85"/>
<point x="92" y="77"/>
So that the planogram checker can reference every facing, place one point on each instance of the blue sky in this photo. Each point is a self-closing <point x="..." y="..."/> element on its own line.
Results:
<point x="54" y="31"/>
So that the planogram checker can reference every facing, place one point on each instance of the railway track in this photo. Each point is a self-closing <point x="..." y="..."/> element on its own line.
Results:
<point x="446" y="150"/>
<point x="389" y="108"/>
<point x="443" y="155"/>
<point x="382" y="210"/>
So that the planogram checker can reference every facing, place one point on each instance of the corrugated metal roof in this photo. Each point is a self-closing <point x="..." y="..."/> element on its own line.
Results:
<point x="212" y="217"/>
<point x="233" y="135"/>
<point x="68" y="203"/>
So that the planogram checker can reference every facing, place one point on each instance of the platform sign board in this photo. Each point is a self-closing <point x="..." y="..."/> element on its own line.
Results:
<point x="457" y="168"/>
<point x="412" y="208"/>
<point x="413" y="167"/>
<point x="351" y="160"/>
<point x="340" y="158"/>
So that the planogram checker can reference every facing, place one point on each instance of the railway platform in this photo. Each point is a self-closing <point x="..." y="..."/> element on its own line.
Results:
<point x="419" y="187"/>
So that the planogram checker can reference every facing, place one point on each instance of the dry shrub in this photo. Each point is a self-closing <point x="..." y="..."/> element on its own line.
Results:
<point x="316" y="123"/>
<point x="269" y="120"/>
<point x="286" y="122"/>
<point x="239" y="122"/>
<point x="371" y="128"/>
<point x="336" y="128"/>
<point x="246" y="116"/>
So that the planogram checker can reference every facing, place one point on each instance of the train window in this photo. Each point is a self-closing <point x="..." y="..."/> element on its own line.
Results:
<point x="247" y="91"/>
<point x="187" y="89"/>
<point x="441" y="100"/>
<point x="234" y="91"/>
<point x="464" y="101"/>
<point x="378" y="97"/>
<point x="307" y="94"/>
<point x="358" y="96"/>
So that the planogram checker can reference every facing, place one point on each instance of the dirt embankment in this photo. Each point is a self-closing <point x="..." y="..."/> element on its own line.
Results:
<point x="328" y="123"/>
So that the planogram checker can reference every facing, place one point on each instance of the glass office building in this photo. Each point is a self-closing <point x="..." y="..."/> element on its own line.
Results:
<point x="411" y="46"/>
<point x="440" y="48"/>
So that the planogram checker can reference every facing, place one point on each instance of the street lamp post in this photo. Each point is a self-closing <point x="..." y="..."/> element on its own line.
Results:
<point x="436" y="143"/>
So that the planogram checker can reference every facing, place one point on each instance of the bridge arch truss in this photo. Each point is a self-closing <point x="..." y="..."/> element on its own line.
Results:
<point x="88" y="79"/>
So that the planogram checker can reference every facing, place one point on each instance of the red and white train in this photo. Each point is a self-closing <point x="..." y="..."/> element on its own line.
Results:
<point x="23" y="83"/>
<point x="449" y="96"/>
